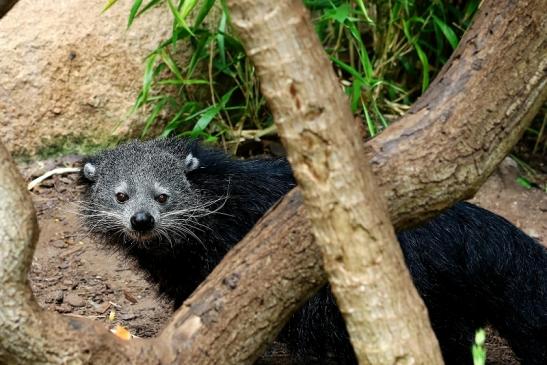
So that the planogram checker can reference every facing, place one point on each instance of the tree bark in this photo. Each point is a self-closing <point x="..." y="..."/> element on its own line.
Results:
<point x="29" y="335"/>
<point x="384" y="314"/>
<point x="473" y="113"/>
<point x="492" y="100"/>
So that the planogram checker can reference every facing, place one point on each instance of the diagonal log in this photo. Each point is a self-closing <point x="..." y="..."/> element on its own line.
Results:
<point x="473" y="113"/>
<point x="470" y="117"/>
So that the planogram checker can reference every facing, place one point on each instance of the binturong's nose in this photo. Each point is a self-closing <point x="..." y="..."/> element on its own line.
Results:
<point x="142" y="221"/>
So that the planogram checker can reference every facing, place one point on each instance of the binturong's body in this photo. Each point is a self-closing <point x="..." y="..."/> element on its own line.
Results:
<point x="211" y="202"/>
<point x="177" y="208"/>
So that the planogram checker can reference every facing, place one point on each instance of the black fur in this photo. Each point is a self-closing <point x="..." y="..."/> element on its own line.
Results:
<point x="470" y="266"/>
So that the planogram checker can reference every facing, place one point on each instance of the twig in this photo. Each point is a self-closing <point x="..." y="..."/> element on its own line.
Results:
<point x="57" y="171"/>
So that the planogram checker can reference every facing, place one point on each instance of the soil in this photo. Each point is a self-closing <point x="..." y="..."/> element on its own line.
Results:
<point x="73" y="275"/>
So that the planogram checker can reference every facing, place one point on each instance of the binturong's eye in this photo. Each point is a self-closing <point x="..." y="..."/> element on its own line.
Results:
<point x="122" y="197"/>
<point x="162" y="198"/>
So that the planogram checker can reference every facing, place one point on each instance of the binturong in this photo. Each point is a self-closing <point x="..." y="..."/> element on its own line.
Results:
<point x="177" y="207"/>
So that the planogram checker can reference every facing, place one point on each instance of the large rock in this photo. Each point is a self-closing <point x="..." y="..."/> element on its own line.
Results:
<point x="70" y="74"/>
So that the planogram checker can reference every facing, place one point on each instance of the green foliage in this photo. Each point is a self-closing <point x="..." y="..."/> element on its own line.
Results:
<point x="529" y="178"/>
<point x="478" y="350"/>
<point x="524" y="182"/>
<point x="384" y="51"/>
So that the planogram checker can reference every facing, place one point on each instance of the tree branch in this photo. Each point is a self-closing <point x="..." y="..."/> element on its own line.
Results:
<point x="384" y="314"/>
<point x="471" y="116"/>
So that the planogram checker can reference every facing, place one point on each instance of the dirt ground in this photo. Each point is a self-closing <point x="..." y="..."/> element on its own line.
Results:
<point x="73" y="275"/>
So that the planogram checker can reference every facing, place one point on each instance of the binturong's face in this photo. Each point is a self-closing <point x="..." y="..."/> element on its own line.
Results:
<point x="140" y="195"/>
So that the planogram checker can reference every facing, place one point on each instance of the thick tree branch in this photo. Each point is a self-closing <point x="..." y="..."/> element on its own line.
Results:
<point x="384" y="314"/>
<point x="473" y="113"/>
<point x="29" y="335"/>
<point x="456" y="99"/>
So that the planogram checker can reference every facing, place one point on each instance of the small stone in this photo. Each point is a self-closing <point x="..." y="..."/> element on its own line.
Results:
<point x="74" y="300"/>
<point x="59" y="244"/>
<point x="102" y="308"/>
<point x="129" y="297"/>
<point x="532" y="233"/>
<point x="128" y="316"/>
<point x="58" y="296"/>
<point x="47" y="183"/>
<point x="277" y="149"/>
<point x="63" y="308"/>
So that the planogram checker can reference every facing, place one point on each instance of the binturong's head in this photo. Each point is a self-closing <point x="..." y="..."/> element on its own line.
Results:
<point x="139" y="192"/>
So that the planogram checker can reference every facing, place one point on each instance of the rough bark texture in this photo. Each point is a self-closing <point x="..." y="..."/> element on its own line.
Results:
<point x="384" y="314"/>
<point x="474" y="111"/>
<point x="244" y="303"/>
<point x="30" y="336"/>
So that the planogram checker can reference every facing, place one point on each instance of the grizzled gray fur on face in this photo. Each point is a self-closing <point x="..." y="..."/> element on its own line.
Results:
<point x="143" y="190"/>
<point x="177" y="208"/>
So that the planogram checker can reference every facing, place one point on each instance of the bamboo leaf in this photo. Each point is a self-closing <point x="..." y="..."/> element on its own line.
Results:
<point x="448" y="33"/>
<point x="171" y="64"/>
<point x="153" y="115"/>
<point x="210" y="113"/>
<point x="370" y="123"/>
<point x="179" y="18"/>
<point x="108" y="5"/>
<point x="133" y="12"/>
<point x="203" y="12"/>
<point x="148" y="6"/>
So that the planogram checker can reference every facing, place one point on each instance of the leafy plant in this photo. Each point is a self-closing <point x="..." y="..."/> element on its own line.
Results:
<point x="478" y="350"/>
<point x="529" y="178"/>
<point x="384" y="51"/>
<point x="387" y="51"/>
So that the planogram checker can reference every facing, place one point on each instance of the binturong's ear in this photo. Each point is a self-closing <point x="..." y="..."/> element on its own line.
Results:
<point x="90" y="171"/>
<point x="191" y="163"/>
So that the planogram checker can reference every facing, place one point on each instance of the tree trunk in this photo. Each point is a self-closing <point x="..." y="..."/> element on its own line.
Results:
<point x="384" y="314"/>
<point x="491" y="100"/>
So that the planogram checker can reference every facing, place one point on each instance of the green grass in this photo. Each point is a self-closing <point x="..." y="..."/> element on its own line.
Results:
<point x="385" y="52"/>
<point x="478" y="350"/>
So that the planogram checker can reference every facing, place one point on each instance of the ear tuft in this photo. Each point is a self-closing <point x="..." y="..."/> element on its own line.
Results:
<point x="90" y="171"/>
<point x="191" y="163"/>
